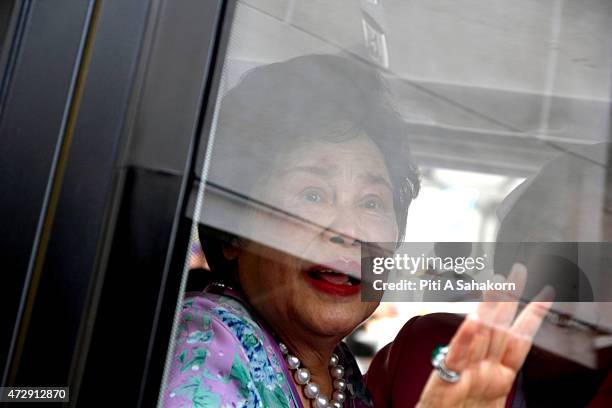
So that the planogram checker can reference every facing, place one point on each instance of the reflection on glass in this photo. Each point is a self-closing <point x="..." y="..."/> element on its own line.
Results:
<point x="332" y="121"/>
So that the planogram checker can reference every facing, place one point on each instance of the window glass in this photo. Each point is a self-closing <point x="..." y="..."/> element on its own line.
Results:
<point x="343" y="123"/>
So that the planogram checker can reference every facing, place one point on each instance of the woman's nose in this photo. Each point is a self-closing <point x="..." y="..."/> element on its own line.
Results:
<point x="344" y="230"/>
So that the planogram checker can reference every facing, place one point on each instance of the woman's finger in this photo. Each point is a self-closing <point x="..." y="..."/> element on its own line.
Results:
<point x="505" y="311"/>
<point x="485" y="312"/>
<point x="525" y="328"/>
<point x="477" y="323"/>
<point x="488" y="310"/>
<point x="529" y="320"/>
<point x="458" y="356"/>
<point x="510" y="298"/>
<point x="478" y="348"/>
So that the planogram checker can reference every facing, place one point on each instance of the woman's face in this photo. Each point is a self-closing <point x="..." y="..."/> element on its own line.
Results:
<point x="304" y="268"/>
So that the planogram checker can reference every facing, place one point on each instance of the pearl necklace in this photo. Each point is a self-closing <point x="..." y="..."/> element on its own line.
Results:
<point x="312" y="390"/>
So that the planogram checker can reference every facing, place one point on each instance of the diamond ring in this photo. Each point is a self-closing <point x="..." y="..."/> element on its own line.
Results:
<point x="437" y="361"/>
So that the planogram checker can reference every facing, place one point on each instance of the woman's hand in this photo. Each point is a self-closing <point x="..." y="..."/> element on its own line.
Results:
<point x="488" y="349"/>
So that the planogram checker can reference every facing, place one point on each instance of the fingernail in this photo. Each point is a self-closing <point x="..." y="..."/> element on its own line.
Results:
<point x="548" y="294"/>
<point x="545" y="295"/>
<point x="519" y="271"/>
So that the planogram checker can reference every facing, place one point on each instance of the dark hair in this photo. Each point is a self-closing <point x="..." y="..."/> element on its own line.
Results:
<point x="316" y="97"/>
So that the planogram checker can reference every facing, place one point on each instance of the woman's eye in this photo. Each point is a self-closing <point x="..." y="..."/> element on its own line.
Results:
<point x="373" y="203"/>
<point x="314" y="196"/>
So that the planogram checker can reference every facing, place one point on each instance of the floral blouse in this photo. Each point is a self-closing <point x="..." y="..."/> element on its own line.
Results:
<point x="224" y="358"/>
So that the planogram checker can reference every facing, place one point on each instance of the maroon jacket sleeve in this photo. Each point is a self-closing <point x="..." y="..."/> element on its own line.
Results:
<point x="399" y="371"/>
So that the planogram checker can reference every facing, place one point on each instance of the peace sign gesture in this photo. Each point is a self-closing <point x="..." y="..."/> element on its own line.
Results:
<point x="488" y="349"/>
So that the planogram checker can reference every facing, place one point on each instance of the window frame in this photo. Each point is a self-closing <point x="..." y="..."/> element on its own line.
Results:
<point x="117" y="237"/>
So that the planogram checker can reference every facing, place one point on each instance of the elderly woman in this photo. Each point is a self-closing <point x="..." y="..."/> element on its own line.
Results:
<point x="314" y="147"/>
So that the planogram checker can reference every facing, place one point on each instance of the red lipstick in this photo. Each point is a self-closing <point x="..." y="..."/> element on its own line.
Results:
<point x="331" y="278"/>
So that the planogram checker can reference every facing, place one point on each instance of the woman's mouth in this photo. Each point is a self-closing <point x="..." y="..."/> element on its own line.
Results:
<point x="329" y="280"/>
